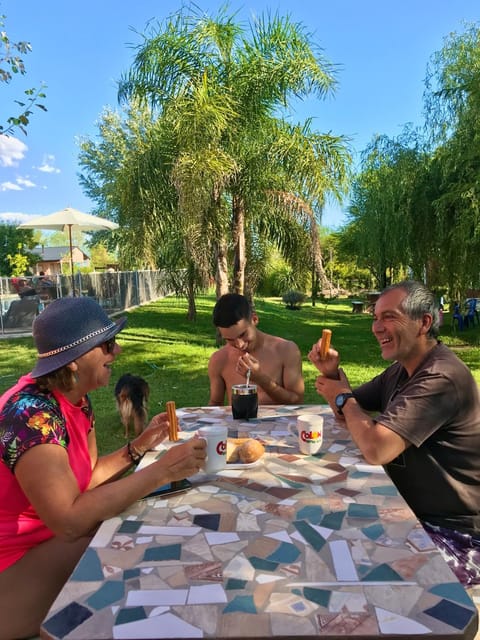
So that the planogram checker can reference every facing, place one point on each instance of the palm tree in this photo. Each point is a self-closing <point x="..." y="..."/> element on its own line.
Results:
<point x="220" y="91"/>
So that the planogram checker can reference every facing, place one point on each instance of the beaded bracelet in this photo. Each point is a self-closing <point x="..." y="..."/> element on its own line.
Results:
<point x="135" y="457"/>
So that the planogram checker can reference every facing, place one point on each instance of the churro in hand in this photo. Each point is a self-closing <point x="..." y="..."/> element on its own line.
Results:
<point x="325" y="344"/>
<point x="172" y="420"/>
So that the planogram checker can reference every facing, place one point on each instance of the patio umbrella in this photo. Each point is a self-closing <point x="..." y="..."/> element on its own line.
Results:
<point x="67" y="220"/>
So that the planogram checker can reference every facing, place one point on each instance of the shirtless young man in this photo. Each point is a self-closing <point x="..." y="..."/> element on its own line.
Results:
<point x="275" y="364"/>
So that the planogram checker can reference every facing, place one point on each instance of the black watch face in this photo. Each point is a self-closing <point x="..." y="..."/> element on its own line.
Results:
<point x="341" y="399"/>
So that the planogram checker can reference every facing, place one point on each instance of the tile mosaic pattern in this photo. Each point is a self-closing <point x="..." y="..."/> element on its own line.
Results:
<point x="294" y="546"/>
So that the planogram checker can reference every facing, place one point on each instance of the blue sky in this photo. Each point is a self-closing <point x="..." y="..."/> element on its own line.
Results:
<point x="80" y="50"/>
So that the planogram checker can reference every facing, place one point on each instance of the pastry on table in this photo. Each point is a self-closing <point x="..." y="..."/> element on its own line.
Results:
<point x="244" y="450"/>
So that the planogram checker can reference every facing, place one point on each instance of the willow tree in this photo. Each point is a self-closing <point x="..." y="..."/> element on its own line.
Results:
<point x="237" y="83"/>
<point x="452" y="99"/>
<point x="381" y="207"/>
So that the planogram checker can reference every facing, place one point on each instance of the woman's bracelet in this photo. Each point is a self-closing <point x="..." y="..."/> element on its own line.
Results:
<point x="134" y="455"/>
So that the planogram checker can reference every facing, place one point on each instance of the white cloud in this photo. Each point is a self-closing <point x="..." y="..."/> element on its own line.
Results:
<point x="12" y="217"/>
<point x="47" y="165"/>
<point x="18" y="185"/>
<point x="10" y="186"/>
<point x="25" y="182"/>
<point x="12" y="151"/>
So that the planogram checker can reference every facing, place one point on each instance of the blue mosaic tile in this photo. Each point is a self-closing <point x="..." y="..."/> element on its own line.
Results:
<point x="374" y="531"/>
<point x="209" y="521"/>
<point x="319" y="596"/>
<point x="285" y="552"/>
<point x="291" y="483"/>
<point x="131" y="573"/>
<point x="166" y="552"/>
<point x="311" y="512"/>
<point x="383" y="573"/>
<point x="387" y="490"/>
<point x="89" y="569"/>
<point x="67" y="619"/>
<point x="261" y="564"/>
<point x="357" y="475"/>
<point x="130" y="526"/>
<point x="130" y="615"/>
<point x="108" y="593"/>
<point x="362" y="511"/>
<point x="311" y="536"/>
<point x="243" y="604"/>
<point x="333" y="520"/>
<point x="234" y="583"/>
<point x="298" y="607"/>
<point x="453" y="591"/>
<point x="450" y="613"/>
<point x="363" y="569"/>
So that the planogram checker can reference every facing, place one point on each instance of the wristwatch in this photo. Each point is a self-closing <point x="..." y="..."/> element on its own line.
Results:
<point x="340" y="401"/>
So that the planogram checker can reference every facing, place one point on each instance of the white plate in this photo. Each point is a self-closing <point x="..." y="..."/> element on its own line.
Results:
<point x="241" y="465"/>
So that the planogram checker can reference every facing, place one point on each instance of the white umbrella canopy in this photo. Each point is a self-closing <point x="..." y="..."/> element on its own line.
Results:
<point x="67" y="220"/>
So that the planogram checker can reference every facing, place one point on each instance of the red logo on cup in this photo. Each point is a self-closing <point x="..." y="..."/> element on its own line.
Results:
<point x="222" y="448"/>
<point x="310" y="436"/>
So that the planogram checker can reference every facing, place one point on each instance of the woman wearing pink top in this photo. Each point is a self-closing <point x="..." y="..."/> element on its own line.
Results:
<point x="54" y="488"/>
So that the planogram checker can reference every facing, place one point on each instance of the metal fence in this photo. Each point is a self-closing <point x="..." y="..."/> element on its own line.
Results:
<point x="21" y="299"/>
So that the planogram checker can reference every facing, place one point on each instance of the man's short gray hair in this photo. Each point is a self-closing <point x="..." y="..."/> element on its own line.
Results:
<point x="418" y="301"/>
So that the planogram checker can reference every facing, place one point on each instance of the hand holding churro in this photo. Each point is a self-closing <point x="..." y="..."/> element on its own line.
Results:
<point x="325" y="343"/>
<point x="325" y="358"/>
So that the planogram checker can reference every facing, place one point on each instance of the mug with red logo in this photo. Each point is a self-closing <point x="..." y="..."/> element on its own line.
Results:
<point x="216" y="437"/>
<point x="310" y="433"/>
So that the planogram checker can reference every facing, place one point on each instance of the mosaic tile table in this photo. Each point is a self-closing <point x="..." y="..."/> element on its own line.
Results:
<point x="293" y="546"/>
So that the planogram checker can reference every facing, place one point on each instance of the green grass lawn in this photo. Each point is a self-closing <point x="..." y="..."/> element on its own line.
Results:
<point x="172" y="353"/>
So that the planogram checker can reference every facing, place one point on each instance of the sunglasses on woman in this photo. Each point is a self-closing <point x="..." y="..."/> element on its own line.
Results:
<point x="109" y="345"/>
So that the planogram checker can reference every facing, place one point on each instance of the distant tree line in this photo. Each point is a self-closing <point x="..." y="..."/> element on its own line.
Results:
<point x="208" y="176"/>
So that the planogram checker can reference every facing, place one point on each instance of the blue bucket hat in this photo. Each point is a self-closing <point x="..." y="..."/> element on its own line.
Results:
<point x="68" y="328"/>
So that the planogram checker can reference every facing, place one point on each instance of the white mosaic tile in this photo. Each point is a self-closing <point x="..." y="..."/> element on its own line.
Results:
<point x="207" y="594"/>
<point x="342" y="560"/>
<point x="165" y="626"/>
<point x="393" y="623"/>
<point x="156" y="597"/>
<point x="283" y="536"/>
<point x="168" y="531"/>
<point x="266" y="578"/>
<point x="239" y="567"/>
<point x="220" y="537"/>
<point x="105" y="533"/>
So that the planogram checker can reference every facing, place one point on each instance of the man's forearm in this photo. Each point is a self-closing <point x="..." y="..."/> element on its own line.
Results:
<point x="278" y="393"/>
<point x="378" y="444"/>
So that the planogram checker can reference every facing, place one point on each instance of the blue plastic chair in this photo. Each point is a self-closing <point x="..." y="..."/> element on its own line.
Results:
<point x="472" y="313"/>
<point x="458" y="317"/>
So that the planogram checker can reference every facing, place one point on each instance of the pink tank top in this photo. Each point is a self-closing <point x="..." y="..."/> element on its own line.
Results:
<point x="20" y="527"/>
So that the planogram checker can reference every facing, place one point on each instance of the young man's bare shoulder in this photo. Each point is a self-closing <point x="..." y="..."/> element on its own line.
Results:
<point x="281" y="343"/>
<point x="219" y="357"/>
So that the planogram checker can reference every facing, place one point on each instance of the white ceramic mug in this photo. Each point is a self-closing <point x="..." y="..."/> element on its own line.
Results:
<point x="310" y="433"/>
<point x="216" y="437"/>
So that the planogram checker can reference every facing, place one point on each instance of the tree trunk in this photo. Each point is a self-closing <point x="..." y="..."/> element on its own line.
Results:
<point x="221" y="274"/>
<point x="192" y="307"/>
<point x="238" y="233"/>
<point x="319" y="277"/>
